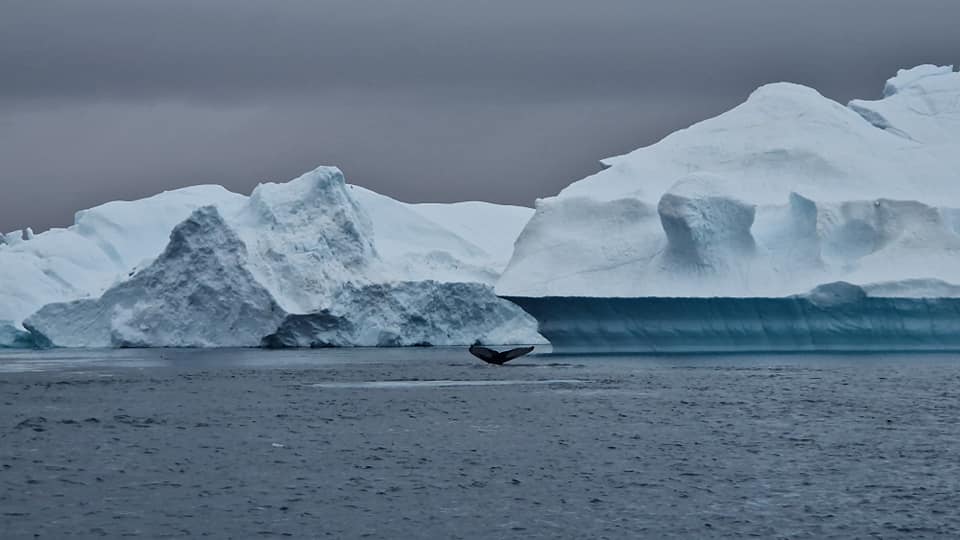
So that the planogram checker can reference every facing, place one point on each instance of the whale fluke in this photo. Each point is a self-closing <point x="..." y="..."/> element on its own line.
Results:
<point x="491" y="356"/>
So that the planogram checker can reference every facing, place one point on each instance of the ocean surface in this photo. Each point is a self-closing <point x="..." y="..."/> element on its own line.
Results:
<point x="430" y="443"/>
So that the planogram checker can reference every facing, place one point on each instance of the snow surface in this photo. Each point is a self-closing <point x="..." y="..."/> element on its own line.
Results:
<point x="919" y="104"/>
<point x="414" y="247"/>
<point x="781" y="194"/>
<point x="238" y="265"/>
<point x="492" y="227"/>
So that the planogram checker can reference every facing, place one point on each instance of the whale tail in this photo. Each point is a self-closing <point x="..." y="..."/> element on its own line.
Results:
<point x="491" y="356"/>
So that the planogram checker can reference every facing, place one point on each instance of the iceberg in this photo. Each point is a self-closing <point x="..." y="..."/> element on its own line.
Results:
<point x="238" y="267"/>
<point x="725" y="228"/>
<point x="404" y="314"/>
<point x="197" y="293"/>
<point x="103" y="246"/>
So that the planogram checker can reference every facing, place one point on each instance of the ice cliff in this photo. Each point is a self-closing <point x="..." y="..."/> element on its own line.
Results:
<point x="206" y="267"/>
<point x="833" y="317"/>
<point x="197" y="293"/>
<point x="783" y="193"/>
<point x="408" y="314"/>
<point x="102" y="247"/>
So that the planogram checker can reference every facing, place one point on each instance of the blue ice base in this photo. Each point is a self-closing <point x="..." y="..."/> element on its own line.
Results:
<point x="708" y="325"/>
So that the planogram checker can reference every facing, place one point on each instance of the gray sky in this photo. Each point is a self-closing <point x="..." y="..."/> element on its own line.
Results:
<point x="423" y="100"/>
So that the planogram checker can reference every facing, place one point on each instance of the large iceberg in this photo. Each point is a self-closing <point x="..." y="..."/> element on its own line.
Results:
<point x="102" y="247"/>
<point x="235" y="267"/>
<point x="782" y="194"/>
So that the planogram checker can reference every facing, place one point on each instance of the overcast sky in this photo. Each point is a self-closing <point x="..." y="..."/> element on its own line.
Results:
<point x="423" y="100"/>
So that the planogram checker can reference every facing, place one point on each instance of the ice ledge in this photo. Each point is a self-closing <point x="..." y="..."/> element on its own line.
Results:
<point x="838" y="317"/>
<point x="14" y="337"/>
<point x="911" y="77"/>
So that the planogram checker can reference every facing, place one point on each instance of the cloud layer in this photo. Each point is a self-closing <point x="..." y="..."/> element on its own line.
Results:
<point x="421" y="99"/>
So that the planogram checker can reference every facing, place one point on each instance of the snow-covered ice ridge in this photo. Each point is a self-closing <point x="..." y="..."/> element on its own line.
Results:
<point x="202" y="266"/>
<point x="788" y="191"/>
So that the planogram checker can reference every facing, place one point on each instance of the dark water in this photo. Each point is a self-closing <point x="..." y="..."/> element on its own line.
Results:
<point x="429" y="444"/>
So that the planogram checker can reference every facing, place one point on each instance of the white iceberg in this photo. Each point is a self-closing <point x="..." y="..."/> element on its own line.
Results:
<point x="239" y="265"/>
<point x="102" y="247"/>
<point x="711" y="238"/>
<point x="773" y="198"/>
<point x="197" y="293"/>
